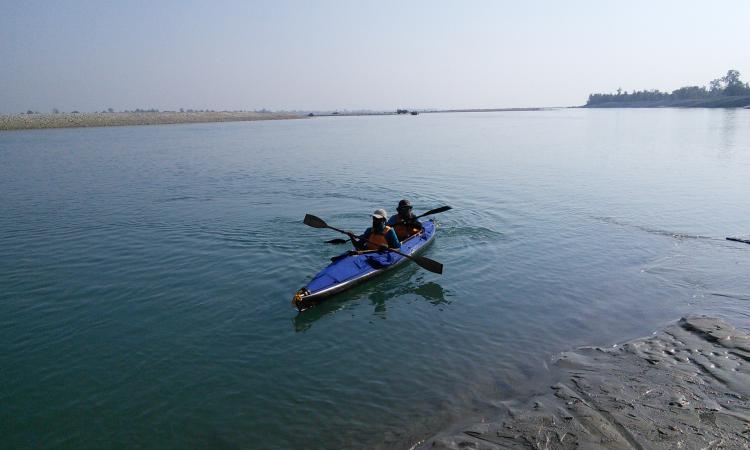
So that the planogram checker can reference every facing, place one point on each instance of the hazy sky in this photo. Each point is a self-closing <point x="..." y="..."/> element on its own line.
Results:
<point x="91" y="55"/>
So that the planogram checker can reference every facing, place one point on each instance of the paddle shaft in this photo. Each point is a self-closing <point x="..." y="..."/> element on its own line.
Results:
<point x="417" y="259"/>
<point x="337" y="229"/>
<point x="427" y="263"/>
<point x="435" y="211"/>
<point x="366" y="240"/>
<point x="430" y="212"/>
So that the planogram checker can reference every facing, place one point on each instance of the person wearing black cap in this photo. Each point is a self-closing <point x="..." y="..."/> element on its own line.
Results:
<point x="379" y="236"/>
<point x="404" y="223"/>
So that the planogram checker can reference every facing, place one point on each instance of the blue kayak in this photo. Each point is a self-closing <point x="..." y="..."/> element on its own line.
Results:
<point x="348" y="270"/>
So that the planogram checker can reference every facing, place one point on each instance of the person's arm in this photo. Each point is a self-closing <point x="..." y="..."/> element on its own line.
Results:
<point x="392" y="239"/>
<point x="360" y="242"/>
<point x="353" y="238"/>
<point x="410" y="222"/>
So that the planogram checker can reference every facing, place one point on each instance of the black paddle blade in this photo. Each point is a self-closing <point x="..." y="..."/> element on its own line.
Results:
<point x="436" y="210"/>
<point x="337" y="241"/>
<point x="428" y="264"/>
<point x="315" y="222"/>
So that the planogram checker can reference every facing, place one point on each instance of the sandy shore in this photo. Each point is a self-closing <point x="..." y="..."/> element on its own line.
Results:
<point x="685" y="387"/>
<point x="69" y="120"/>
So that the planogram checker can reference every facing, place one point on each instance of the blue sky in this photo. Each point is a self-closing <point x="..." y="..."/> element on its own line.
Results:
<point x="92" y="55"/>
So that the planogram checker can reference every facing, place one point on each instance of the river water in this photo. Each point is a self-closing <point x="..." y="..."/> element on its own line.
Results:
<point x="146" y="272"/>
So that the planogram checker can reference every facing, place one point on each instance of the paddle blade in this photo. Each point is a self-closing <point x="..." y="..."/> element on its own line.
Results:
<point x="436" y="210"/>
<point x="337" y="241"/>
<point x="428" y="264"/>
<point x="315" y="222"/>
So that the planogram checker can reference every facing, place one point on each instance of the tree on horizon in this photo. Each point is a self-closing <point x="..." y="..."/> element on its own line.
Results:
<point x="729" y="85"/>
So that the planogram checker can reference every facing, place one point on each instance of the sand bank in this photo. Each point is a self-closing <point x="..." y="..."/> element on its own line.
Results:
<point x="70" y="120"/>
<point x="685" y="387"/>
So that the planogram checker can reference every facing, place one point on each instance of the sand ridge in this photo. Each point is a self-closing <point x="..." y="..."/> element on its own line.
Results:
<point x="74" y="120"/>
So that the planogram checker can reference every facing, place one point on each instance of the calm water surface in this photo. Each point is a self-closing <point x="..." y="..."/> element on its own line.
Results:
<point x="146" y="273"/>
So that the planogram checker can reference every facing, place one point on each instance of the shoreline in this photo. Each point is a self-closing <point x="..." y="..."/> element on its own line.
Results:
<point x="10" y="122"/>
<point x="15" y="122"/>
<point x="685" y="386"/>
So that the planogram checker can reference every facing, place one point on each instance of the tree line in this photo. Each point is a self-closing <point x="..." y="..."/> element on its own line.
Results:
<point x="150" y="110"/>
<point x="726" y="86"/>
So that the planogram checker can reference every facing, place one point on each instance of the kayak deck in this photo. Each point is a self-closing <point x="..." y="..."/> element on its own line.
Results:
<point x="348" y="270"/>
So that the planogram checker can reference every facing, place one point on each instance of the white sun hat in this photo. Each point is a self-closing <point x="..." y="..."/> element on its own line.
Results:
<point x="380" y="214"/>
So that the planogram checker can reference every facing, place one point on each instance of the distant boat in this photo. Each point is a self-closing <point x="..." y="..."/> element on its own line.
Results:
<point x="414" y="113"/>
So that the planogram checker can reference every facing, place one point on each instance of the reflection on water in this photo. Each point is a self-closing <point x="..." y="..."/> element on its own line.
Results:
<point x="432" y="292"/>
<point x="379" y="296"/>
<point x="304" y="320"/>
<point x="728" y="133"/>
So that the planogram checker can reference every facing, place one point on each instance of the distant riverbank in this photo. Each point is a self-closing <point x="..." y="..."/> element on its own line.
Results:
<point x="739" y="101"/>
<point x="75" y="120"/>
<point x="427" y="111"/>
<point x="105" y="119"/>
<point x="728" y="91"/>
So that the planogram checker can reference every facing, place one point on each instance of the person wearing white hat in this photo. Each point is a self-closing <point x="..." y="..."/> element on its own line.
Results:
<point x="378" y="237"/>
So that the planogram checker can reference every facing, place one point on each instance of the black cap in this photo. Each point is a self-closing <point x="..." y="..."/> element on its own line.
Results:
<point x="404" y="204"/>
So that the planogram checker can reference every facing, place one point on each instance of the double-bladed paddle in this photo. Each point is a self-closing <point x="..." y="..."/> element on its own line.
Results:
<point x="428" y="213"/>
<point x="425" y="263"/>
<point x="434" y="211"/>
<point x="336" y="241"/>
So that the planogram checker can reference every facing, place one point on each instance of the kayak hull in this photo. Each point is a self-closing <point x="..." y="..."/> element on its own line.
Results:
<point x="347" y="271"/>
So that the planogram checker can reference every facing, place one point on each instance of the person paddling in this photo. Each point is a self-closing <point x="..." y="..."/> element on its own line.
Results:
<point x="377" y="237"/>
<point x="405" y="223"/>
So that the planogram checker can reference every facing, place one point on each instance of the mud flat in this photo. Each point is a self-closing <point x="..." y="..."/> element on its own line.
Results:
<point x="687" y="386"/>
<point x="72" y="120"/>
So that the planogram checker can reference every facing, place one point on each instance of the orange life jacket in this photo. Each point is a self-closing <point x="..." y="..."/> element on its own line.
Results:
<point x="376" y="240"/>
<point x="404" y="230"/>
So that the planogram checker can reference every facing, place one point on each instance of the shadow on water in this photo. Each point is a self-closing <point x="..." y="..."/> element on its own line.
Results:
<point x="304" y="320"/>
<point x="431" y="291"/>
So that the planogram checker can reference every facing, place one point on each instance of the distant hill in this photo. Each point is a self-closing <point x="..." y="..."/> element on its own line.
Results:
<point x="725" y="92"/>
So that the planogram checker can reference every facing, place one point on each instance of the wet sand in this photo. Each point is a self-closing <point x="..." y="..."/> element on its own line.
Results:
<point x="684" y="387"/>
<point x="71" y="120"/>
